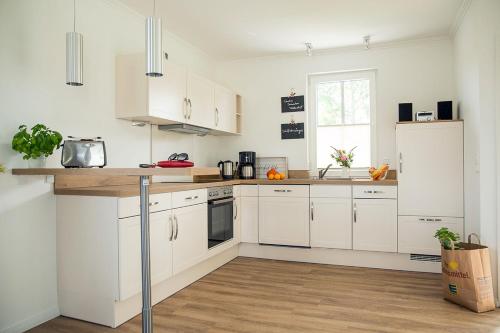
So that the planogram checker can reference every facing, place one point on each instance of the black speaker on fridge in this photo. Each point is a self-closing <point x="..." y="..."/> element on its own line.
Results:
<point x="405" y="112"/>
<point x="445" y="110"/>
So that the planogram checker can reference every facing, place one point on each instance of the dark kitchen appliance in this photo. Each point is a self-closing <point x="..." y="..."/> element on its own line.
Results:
<point x="220" y="215"/>
<point x="246" y="164"/>
<point x="405" y="112"/>
<point x="227" y="169"/>
<point x="83" y="153"/>
<point x="445" y="110"/>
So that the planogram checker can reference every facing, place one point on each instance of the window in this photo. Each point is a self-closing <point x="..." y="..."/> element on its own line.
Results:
<point x="343" y="117"/>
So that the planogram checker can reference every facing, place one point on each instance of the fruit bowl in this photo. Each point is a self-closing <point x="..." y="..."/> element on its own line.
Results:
<point x="380" y="173"/>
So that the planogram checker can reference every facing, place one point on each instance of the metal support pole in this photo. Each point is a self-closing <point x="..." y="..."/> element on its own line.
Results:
<point x="147" y="314"/>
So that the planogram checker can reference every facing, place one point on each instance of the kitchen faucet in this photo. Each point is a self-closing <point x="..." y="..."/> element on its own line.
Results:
<point x="322" y="172"/>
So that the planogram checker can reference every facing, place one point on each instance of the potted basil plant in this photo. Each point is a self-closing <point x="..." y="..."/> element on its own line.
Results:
<point x="37" y="145"/>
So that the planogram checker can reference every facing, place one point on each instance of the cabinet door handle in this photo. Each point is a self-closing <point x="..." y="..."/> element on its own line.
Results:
<point x="421" y="219"/>
<point x="190" y="108"/>
<point x="430" y="220"/>
<point x="153" y="203"/>
<point x="312" y="211"/>
<point x="236" y="211"/>
<point x="375" y="192"/>
<point x="171" y="225"/>
<point x="216" y="117"/>
<point x="368" y="191"/>
<point x="355" y="211"/>
<point x="400" y="162"/>
<point x="191" y="198"/>
<point x="438" y="220"/>
<point x="283" y="191"/>
<point x="176" y="227"/>
<point x="185" y="111"/>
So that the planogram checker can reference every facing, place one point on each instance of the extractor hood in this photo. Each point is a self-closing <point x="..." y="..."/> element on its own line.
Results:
<point x="185" y="128"/>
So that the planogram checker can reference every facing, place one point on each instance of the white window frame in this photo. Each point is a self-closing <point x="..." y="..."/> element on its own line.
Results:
<point x="313" y="81"/>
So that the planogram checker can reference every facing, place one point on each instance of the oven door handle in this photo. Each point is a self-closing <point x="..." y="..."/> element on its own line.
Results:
<point x="219" y="202"/>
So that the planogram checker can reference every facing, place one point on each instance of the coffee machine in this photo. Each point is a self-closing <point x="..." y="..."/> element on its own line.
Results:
<point x="246" y="165"/>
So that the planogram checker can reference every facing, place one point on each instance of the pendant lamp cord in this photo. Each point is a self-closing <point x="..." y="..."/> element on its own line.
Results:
<point x="74" y="15"/>
<point x="154" y="7"/>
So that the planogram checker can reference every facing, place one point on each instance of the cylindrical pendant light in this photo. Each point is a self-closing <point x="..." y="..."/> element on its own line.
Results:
<point x="74" y="54"/>
<point x="154" y="59"/>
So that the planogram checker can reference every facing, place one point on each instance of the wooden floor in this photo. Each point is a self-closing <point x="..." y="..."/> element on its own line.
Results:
<point x="254" y="295"/>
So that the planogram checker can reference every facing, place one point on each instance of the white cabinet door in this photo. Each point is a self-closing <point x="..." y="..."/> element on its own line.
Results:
<point x="375" y="226"/>
<point x="416" y="233"/>
<point x="225" y="109"/>
<point x="167" y="94"/>
<point x="129" y="252"/>
<point x="430" y="169"/>
<point x="284" y="221"/>
<point x="237" y="220"/>
<point x="249" y="212"/>
<point x="331" y="223"/>
<point x="201" y="106"/>
<point x="190" y="244"/>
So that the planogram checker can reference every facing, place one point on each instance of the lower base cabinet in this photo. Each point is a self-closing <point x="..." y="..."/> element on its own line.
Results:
<point x="190" y="241"/>
<point x="249" y="214"/>
<point x="178" y="241"/>
<point x="129" y="253"/>
<point x="331" y="223"/>
<point x="375" y="225"/>
<point x="284" y="215"/>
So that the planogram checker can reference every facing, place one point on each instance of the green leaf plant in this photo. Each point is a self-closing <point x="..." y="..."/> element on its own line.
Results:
<point x="449" y="240"/>
<point x="42" y="141"/>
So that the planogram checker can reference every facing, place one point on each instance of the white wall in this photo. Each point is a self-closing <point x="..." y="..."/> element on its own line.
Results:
<point x="475" y="48"/>
<point x="32" y="90"/>
<point x="420" y="72"/>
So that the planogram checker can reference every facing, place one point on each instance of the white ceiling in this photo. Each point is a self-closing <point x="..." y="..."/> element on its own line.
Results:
<point x="233" y="29"/>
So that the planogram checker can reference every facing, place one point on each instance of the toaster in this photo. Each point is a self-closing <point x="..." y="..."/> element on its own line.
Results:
<point x="83" y="153"/>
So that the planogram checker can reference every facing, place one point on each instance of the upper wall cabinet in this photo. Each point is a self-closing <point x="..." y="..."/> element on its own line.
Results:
<point x="225" y="109"/>
<point x="179" y="96"/>
<point x="200" y="94"/>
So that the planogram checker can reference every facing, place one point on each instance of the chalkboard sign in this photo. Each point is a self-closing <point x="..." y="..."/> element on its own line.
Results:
<point x="292" y="104"/>
<point x="292" y="131"/>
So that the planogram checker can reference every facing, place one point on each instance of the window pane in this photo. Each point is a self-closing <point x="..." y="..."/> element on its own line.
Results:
<point x="329" y="101"/>
<point x="357" y="101"/>
<point x="344" y="137"/>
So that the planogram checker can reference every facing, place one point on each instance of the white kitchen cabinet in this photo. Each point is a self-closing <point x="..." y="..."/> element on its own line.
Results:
<point x="190" y="241"/>
<point x="200" y="92"/>
<point x="430" y="169"/>
<point x="375" y="225"/>
<point x="249" y="211"/>
<point x="129" y="252"/>
<point x="416" y="233"/>
<point x="159" y="100"/>
<point x="237" y="220"/>
<point x="331" y="223"/>
<point x="179" y="96"/>
<point x="225" y="109"/>
<point x="284" y="215"/>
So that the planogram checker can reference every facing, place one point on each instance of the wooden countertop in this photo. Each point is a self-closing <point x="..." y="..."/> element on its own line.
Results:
<point x="133" y="190"/>
<point x="193" y="171"/>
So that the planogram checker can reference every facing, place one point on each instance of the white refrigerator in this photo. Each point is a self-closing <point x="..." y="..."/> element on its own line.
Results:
<point x="430" y="167"/>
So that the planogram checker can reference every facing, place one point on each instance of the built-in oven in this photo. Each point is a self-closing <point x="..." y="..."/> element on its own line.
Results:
<point x="220" y="215"/>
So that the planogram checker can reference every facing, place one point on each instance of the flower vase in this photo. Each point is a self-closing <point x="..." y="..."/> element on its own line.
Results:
<point x="39" y="162"/>
<point x="346" y="172"/>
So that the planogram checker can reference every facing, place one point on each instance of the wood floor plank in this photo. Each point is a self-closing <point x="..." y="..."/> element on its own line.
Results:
<point x="251" y="295"/>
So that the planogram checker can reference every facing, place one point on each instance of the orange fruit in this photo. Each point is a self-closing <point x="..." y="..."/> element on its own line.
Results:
<point x="270" y="176"/>
<point x="277" y="176"/>
<point x="282" y="175"/>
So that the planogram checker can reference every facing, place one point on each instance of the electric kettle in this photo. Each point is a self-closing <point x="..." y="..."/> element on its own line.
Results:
<point x="227" y="169"/>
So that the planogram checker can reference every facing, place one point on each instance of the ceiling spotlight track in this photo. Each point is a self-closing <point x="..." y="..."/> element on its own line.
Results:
<point x="308" y="49"/>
